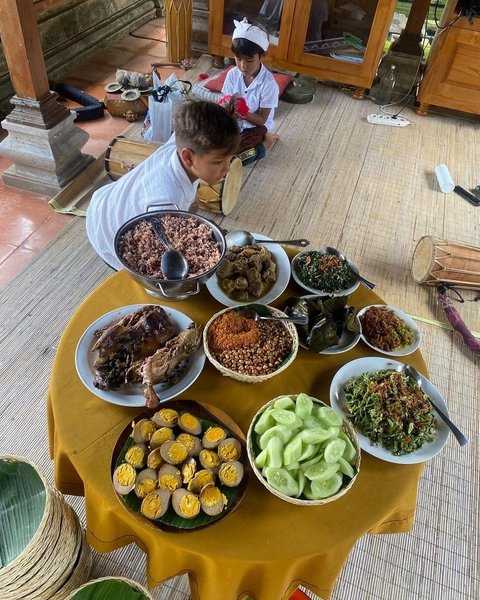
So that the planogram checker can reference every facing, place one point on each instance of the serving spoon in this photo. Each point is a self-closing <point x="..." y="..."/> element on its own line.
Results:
<point x="174" y="264"/>
<point x="335" y="252"/>
<point x="245" y="238"/>
<point x="248" y="313"/>
<point x="414" y="375"/>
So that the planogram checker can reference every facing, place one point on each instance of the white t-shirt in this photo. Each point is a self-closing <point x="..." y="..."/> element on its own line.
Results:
<point x="159" y="179"/>
<point x="261" y="93"/>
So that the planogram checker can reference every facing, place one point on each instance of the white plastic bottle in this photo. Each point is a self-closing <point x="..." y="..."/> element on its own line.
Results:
<point x="385" y="88"/>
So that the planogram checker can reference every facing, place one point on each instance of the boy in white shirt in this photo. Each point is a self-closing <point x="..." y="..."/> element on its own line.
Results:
<point x="204" y="141"/>
<point x="251" y="80"/>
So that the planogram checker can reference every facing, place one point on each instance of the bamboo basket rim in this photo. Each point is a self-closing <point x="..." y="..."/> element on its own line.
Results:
<point x="348" y="430"/>
<point x="134" y="584"/>
<point x="252" y="378"/>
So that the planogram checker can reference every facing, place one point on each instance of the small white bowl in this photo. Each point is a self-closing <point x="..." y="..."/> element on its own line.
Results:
<point x="405" y="350"/>
<point x="318" y="291"/>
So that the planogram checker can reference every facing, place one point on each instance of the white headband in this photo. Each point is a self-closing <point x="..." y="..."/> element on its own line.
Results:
<point x="252" y="33"/>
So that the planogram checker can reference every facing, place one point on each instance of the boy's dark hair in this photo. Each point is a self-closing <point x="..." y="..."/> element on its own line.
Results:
<point x="205" y="126"/>
<point x="244" y="47"/>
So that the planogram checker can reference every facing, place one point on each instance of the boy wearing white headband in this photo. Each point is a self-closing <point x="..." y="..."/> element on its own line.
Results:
<point x="251" y="80"/>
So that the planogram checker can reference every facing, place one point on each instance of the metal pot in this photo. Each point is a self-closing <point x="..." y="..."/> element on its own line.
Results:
<point x="170" y="289"/>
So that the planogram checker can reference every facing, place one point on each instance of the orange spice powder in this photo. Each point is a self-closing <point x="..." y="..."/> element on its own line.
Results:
<point x="231" y="331"/>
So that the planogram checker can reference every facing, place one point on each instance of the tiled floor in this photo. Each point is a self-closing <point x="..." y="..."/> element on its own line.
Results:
<point x="27" y="221"/>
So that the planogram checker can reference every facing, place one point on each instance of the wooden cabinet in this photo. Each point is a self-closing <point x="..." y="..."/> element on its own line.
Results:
<point x="304" y="34"/>
<point x="452" y="73"/>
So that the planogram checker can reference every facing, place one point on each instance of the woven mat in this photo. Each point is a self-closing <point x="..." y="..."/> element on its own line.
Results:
<point x="339" y="181"/>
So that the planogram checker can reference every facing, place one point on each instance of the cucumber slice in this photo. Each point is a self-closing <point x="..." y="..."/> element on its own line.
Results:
<point x="309" y="450"/>
<point x="301" y="480"/>
<point x="334" y="450"/>
<point x="346" y="468"/>
<point x="312" y="461"/>
<point x="307" y="492"/>
<point x="286" y="418"/>
<point x="264" y="422"/>
<point x="284" y="402"/>
<point x="274" y="452"/>
<point x="284" y="433"/>
<point x="282" y="481"/>
<point x="292" y="468"/>
<point x="303" y="406"/>
<point x="312" y="422"/>
<point x="329" y="416"/>
<point x="322" y="470"/>
<point x="292" y="451"/>
<point x="350" y="454"/>
<point x="261" y="460"/>
<point x="334" y="431"/>
<point x="315" y="435"/>
<point x="323" y="488"/>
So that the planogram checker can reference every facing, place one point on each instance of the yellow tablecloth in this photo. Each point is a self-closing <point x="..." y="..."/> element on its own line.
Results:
<point x="265" y="548"/>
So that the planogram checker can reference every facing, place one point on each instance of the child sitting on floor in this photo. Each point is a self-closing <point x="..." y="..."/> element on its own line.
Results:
<point x="205" y="138"/>
<point x="251" y="80"/>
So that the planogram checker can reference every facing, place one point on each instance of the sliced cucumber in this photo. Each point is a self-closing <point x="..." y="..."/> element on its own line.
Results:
<point x="346" y="468"/>
<point x="284" y="433"/>
<point x="321" y="470"/>
<point x="286" y="418"/>
<point x="350" y="454"/>
<point x="309" y="450"/>
<point x="261" y="459"/>
<point x="282" y="481"/>
<point x="312" y="422"/>
<point x="315" y="435"/>
<point x="323" y="488"/>
<point x="292" y="451"/>
<point x="292" y="468"/>
<point x="284" y="402"/>
<point x="264" y="422"/>
<point x="303" y="406"/>
<point x="274" y="452"/>
<point x="334" y="450"/>
<point x="312" y="461"/>
<point x="301" y="480"/>
<point x="329" y="416"/>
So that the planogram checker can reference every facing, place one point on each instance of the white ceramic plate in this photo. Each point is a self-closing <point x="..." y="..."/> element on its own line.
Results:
<point x="132" y="395"/>
<point x="404" y="317"/>
<point x="357" y="367"/>
<point x="347" y="341"/>
<point x="318" y="292"/>
<point x="283" y="277"/>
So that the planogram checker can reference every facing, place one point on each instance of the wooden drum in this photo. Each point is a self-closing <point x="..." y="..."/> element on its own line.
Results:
<point x="437" y="261"/>
<point x="222" y="197"/>
<point x="123" y="155"/>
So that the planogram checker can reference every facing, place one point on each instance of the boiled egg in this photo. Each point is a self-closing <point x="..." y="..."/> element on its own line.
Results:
<point x="200" y="479"/>
<point x="229" y="449"/>
<point x="191" y="442"/>
<point x="160" y="436"/>
<point x="165" y="417"/>
<point x="209" y="460"/>
<point x="145" y="482"/>
<point x="137" y="456"/>
<point x="212" y="500"/>
<point x="213" y="436"/>
<point x="190" y="424"/>
<point x="143" y="431"/>
<point x="124" y="478"/>
<point x="169" y="478"/>
<point x="173" y="452"/>
<point x="155" y="505"/>
<point x="231" y="473"/>
<point x="185" y="504"/>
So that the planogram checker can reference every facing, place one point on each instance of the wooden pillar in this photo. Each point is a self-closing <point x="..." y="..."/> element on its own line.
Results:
<point x="410" y="40"/>
<point x="178" y="24"/>
<point x="42" y="142"/>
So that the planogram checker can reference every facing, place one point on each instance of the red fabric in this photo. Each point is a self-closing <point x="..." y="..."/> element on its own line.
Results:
<point x="241" y="107"/>
<point x="216" y="84"/>
<point x="299" y="595"/>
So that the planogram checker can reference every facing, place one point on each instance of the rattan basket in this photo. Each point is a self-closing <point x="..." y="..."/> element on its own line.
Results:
<point x="56" y="558"/>
<point x="290" y="327"/>
<point x="98" y="582"/>
<point x="348" y="430"/>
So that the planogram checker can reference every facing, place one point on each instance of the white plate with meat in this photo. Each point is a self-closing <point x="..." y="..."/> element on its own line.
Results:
<point x="282" y="262"/>
<point x="140" y="347"/>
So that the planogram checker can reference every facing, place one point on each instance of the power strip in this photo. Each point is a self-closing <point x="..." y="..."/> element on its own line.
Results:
<point x="378" y="119"/>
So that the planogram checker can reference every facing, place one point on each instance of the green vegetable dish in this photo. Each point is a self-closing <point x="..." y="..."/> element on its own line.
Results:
<point x="304" y="449"/>
<point x="391" y="410"/>
<point x="324" y="272"/>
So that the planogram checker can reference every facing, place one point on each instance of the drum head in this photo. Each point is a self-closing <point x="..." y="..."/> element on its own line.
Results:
<point x="231" y="186"/>
<point x="423" y="259"/>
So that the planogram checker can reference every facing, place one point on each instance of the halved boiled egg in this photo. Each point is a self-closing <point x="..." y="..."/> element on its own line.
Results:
<point x="200" y="479"/>
<point x="188" y="469"/>
<point x="137" y="456"/>
<point x="213" y="436"/>
<point x="209" y="460"/>
<point x="143" y="431"/>
<point x="231" y="473"/>
<point x="124" y="478"/>
<point x="154" y="459"/>
<point x="190" y="424"/>
<point x="160" y="436"/>
<point x="212" y="500"/>
<point x="229" y="449"/>
<point x="191" y="442"/>
<point x="173" y="452"/>
<point x="169" y="478"/>
<point x="155" y="505"/>
<point x="185" y="504"/>
<point x="145" y="482"/>
<point x="165" y="417"/>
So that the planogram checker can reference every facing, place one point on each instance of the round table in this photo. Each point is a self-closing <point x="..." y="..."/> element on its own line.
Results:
<point x="267" y="547"/>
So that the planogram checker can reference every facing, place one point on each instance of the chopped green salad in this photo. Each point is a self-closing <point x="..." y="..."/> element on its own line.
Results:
<point x="326" y="272"/>
<point x="391" y="410"/>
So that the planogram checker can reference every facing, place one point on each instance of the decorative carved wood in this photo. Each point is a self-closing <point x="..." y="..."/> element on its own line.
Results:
<point x="178" y="24"/>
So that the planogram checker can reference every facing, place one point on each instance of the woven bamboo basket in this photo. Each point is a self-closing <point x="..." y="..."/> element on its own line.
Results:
<point x="348" y="430"/>
<point x="54" y="558"/>
<point x="289" y="326"/>
<point x="99" y="583"/>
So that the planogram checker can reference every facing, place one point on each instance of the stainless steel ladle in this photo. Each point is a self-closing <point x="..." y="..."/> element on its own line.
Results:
<point x="245" y="238"/>
<point x="414" y="375"/>
<point x="248" y="313"/>
<point x="174" y="264"/>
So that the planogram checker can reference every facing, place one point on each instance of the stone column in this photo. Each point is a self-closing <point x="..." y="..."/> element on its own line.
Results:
<point x="42" y="140"/>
